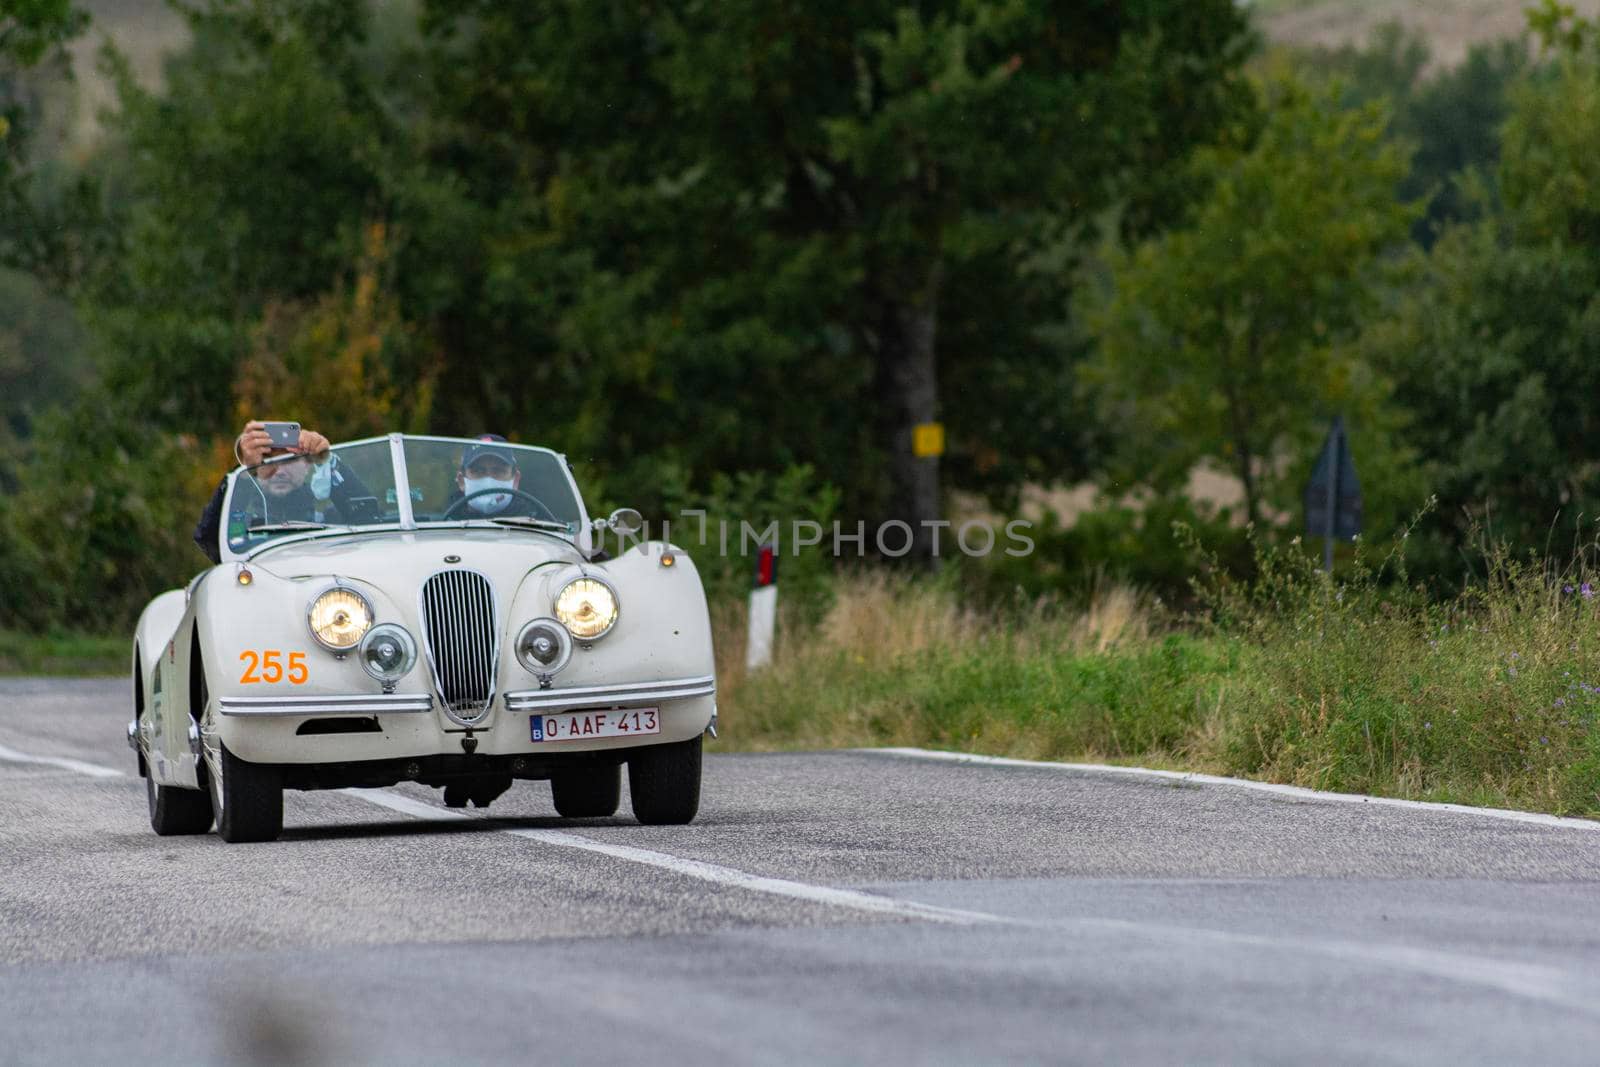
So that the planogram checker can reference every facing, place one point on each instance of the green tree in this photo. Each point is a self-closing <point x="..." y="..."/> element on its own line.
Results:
<point x="249" y="181"/>
<point x="1496" y="349"/>
<point x="33" y="33"/>
<point x="1451" y="117"/>
<point x="1221" y="340"/>
<point x="774" y="222"/>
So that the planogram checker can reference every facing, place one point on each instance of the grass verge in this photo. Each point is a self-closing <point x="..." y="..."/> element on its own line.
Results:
<point x="62" y="654"/>
<point x="1490" y="699"/>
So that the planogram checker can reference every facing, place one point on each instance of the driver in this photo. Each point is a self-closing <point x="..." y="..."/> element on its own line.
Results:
<point x="487" y="465"/>
<point x="299" y="489"/>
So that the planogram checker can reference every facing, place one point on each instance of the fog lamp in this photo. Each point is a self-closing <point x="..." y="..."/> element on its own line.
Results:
<point x="544" y="646"/>
<point x="388" y="653"/>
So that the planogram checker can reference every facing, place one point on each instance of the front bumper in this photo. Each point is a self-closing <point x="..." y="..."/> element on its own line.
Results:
<point x="374" y="704"/>
<point x="310" y="729"/>
<point x="610" y="696"/>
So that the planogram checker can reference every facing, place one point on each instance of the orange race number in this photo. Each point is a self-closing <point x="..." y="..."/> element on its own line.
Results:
<point x="272" y="666"/>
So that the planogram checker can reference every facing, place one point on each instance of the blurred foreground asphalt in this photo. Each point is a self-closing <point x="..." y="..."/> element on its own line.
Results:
<point x="839" y="907"/>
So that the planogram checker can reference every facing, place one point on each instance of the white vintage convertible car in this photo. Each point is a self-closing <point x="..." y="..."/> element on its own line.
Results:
<point x="379" y="618"/>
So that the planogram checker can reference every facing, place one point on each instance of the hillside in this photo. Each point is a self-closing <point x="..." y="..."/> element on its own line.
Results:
<point x="1450" y="26"/>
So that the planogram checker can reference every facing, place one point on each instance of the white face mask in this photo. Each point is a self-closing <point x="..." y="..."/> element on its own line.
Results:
<point x="489" y="502"/>
<point x="321" y="480"/>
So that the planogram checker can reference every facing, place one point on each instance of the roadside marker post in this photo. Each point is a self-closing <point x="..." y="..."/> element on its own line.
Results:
<point x="763" y="609"/>
<point x="1333" y="496"/>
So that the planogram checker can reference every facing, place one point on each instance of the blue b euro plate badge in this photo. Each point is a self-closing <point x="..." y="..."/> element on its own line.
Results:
<point x="536" y="727"/>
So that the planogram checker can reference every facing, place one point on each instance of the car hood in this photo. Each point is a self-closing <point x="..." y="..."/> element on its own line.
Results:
<point x="405" y="558"/>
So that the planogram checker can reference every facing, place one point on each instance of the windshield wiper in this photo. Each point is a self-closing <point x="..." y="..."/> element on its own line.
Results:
<point x="530" y="521"/>
<point x="282" y="527"/>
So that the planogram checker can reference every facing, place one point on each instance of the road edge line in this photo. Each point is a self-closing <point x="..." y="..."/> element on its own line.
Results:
<point x="1299" y="792"/>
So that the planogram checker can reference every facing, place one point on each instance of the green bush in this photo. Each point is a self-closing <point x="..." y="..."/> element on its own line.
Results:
<point x="1118" y="544"/>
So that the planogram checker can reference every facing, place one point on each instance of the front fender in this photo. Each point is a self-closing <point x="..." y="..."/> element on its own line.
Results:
<point x="157" y="625"/>
<point x="663" y="630"/>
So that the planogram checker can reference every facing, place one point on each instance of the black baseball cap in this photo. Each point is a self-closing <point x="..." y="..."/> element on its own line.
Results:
<point x="488" y="444"/>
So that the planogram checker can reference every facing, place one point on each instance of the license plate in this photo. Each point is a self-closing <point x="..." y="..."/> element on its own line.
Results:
<point x="584" y="725"/>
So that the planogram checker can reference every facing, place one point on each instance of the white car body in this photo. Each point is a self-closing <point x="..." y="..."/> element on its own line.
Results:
<point x="231" y="662"/>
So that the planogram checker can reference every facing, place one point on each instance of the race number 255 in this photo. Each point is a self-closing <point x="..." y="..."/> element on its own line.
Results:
<point x="272" y="666"/>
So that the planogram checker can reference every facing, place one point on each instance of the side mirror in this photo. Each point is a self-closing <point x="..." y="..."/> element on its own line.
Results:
<point x="625" y="522"/>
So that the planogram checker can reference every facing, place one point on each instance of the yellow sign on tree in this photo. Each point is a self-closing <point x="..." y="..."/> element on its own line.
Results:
<point x="927" y="439"/>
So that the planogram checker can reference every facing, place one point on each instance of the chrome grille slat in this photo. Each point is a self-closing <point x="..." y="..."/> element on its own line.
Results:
<point x="458" y="628"/>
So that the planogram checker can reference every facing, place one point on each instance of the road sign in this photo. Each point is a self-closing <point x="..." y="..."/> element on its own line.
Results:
<point x="927" y="439"/>
<point x="1333" y="496"/>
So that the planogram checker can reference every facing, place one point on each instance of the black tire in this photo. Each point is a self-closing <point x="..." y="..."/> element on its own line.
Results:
<point x="664" y="783"/>
<point x="590" y="794"/>
<point x="249" y="799"/>
<point x="175" y="811"/>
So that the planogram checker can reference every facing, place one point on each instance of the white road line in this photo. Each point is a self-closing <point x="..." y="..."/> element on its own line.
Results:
<point x="1527" y="981"/>
<point x="1298" y="792"/>
<point x="706" y="872"/>
<point x="94" y="770"/>
<point x="1530" y="981"/>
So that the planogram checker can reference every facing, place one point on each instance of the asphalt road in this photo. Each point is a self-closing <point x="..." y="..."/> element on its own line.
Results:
<point x="849" y="907"/>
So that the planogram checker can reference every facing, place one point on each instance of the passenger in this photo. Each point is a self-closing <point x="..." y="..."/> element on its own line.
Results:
<point x="308" y="488"/>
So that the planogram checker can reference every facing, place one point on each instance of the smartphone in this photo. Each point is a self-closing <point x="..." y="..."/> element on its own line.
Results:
<point x="283" y="434"/>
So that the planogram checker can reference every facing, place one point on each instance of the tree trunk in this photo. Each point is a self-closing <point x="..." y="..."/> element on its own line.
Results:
<point x="908" y="388"/>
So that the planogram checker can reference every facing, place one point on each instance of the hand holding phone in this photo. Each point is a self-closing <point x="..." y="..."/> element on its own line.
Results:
<point x="283" y="434"/>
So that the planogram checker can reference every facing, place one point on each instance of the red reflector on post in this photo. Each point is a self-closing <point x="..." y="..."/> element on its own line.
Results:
<point x="766" y="565"/>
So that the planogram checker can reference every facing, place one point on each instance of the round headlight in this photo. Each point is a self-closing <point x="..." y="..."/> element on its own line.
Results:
<point x="339" y="618"/>
<point x="587" y="607"/>
<point x="544" y="646"/>
<point x="388" y="653"/>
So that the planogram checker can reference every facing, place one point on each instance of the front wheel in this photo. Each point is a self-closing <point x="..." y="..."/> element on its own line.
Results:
<point x="664" y="782"/>
<point x="175" y="811"/>
<point x="589" y="794"/>
<point x="248" y="798"/>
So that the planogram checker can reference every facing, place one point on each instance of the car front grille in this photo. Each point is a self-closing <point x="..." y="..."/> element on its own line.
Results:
<point x="461" y="640"/>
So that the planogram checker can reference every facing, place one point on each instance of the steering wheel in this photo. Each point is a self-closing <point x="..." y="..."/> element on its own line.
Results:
<point x="450" y="511"/>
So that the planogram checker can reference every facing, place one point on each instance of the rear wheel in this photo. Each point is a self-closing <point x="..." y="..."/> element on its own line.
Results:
<point x="248" y="798"/>
<point x="175" y="811"/>
<point x="588" y="794"/>
<point x="664" y="782"/>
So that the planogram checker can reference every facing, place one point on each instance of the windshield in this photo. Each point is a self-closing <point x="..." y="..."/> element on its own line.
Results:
<point x="354" y="485"/>
<point x="453" y="481"/>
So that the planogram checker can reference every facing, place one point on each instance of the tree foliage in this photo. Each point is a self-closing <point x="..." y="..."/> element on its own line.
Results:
<point x="1451" y="117"/>
<point x="1498" y="344"/>
<point x="777" y="221"/>
<point x="1221" y="340"/>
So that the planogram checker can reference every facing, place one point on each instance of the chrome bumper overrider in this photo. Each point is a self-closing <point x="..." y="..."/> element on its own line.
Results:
<point x="604" y="696"/>
<point x="373" y="704"/>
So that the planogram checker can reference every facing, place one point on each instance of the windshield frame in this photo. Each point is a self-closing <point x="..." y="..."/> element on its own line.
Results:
<point x="406" y="519"/>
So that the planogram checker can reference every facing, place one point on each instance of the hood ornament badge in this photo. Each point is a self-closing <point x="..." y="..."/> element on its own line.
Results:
<point x="452" y="559"/>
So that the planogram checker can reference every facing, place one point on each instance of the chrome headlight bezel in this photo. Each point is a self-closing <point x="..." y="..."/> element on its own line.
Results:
<point x="563" y="638"/>
<point x="561" y="617"/>
<point x="408" y="646"/>
<point x="311" y="610"/>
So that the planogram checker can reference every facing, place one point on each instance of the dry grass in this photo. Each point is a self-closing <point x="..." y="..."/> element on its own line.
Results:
<point x="1361" y="687"/>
